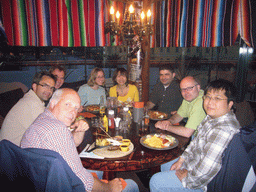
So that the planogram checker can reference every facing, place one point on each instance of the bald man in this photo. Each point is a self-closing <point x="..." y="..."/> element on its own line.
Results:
<point x="191" y="108"/>
<point x="50" y="131"/>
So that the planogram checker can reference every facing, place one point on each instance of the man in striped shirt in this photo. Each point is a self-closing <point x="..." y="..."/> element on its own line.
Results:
<point x="201" y="161"/>
<point x="50" y="131"/>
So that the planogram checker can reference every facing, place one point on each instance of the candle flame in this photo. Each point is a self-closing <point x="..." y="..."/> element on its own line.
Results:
<point x="149" y="13"/>
<point x="112" y="10"/>
<point x="131" y="9"/>
<point x="142" y="15"/>
<point x="117" y="14"/>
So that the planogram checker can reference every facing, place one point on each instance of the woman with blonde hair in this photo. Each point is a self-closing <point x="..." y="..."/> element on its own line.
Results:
<point x="124" y="91"/>
<point x="91" y="92"/>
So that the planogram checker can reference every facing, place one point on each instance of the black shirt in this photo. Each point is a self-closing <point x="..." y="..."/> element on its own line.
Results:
<point x="166" y="100"/>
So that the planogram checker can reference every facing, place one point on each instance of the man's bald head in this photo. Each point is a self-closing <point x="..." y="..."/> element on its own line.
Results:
<point x="190" y="88"/>
<point x="65" y="104"/>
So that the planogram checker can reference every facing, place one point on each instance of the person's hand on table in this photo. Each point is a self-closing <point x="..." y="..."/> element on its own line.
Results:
<point x="163" y="124"/>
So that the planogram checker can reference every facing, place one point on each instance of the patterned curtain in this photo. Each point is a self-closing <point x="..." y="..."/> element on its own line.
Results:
<point x="74" y="23"/>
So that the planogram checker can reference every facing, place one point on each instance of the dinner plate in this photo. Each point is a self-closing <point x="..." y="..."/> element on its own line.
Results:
<point x="104" y="152"/>
<point x="90" y="108"/>
<point x="142" y="139"/>
<point x="152" y="115"/>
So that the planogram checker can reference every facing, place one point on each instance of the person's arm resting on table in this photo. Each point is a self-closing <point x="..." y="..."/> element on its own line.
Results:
<point x="177" y="129"/>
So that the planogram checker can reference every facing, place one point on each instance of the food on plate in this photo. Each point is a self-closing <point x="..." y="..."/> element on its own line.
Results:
<point x="118" y="138"/>
<point x="157" y="115"/>
<point x="113" y="148"/>
<point x="159" y="140"/>
<point x="102" y="142"/>
<point x="92" y="108"/>
<point x="79" y="118"/>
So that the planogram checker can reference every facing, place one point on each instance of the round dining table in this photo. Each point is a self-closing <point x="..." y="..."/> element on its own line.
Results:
<point x="141" y="158"/>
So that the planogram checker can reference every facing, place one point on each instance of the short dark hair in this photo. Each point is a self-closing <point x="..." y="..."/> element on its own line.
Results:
<point x="222" y="84"/>
<point x="122" y="71"/>
<point x="166" y="67"/>
<point x="59" y="67"/>
<point x="38" y="76"/>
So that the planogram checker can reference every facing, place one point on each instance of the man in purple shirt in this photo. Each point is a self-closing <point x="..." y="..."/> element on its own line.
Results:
<point x="50" y="131"/>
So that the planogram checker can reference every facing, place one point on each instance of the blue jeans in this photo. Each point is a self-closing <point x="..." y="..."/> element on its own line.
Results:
<point x="166" y="180"/>
<point x="131" y="185"/>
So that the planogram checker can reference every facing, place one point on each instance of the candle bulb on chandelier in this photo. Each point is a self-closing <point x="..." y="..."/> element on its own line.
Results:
<point x="142" y="16"/>
<point x="117" y="17"/>
<point x="112" y="11"/>
<point x="148" y="16"/>
<point x="131" y="11"/>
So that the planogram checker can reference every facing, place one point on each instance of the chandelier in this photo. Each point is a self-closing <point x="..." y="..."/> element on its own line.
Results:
<point x="133" y="24"/>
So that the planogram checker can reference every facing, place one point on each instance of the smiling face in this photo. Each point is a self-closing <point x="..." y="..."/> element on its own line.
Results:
<point x="216" y="103"/>
<point x="100" y="78"/>
<point x="67" y="107"/>
<point x="166" y="77"/>
<point x="189" y="89"/>
<point x="121" y="79"/>
<point x="44" y="88"/>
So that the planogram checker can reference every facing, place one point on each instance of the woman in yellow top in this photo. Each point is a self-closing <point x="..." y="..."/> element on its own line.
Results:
<point x="122" y="90"/>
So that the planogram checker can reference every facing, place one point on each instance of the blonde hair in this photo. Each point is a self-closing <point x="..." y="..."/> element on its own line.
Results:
<point x="93" y="76"/>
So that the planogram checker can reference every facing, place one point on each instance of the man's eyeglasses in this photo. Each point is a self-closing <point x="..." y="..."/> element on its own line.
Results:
<point x="188" y="88"/>
<point x="47" y="86"/>
<point x="215" y="99"/>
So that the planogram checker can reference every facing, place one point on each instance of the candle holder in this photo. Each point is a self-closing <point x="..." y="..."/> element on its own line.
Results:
<point x="130" y="27"/>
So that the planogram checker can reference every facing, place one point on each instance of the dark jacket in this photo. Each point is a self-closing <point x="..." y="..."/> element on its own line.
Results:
<point x="35" y="169"/>
<point x="237" y="159"/>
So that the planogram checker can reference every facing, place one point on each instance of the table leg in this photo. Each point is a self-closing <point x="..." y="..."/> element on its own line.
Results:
<point x="109" y="175"/>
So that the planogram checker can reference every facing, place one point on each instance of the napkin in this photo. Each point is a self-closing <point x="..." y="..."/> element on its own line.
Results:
<point x="86" y="154"/>
<point x="90" y="155"/>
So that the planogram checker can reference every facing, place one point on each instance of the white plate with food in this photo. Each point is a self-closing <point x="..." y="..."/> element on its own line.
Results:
<point x="92" y="108"/>
<point x="113" y="151"/>
<point x="157" y="115"/>
<point x="159" y="141"/>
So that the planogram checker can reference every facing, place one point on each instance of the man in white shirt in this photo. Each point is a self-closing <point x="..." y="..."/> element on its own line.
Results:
<point x="26" y="110"/>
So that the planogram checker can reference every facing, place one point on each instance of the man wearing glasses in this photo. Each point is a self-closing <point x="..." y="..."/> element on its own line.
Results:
<point x="202" y="159"/>
<point x="26" y="110"/>
<point x="191" y="108"/>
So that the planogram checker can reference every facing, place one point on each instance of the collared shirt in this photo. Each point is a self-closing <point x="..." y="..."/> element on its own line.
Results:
<point x="166" y="99"/>
<point x="21" y="116"/>
<point x="193" y="111"/>
<point x="47" y="132"/>
<point x="204" y="154"/>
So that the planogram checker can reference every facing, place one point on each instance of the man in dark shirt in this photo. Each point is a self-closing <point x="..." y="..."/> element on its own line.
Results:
<point x="165" y="96"/>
